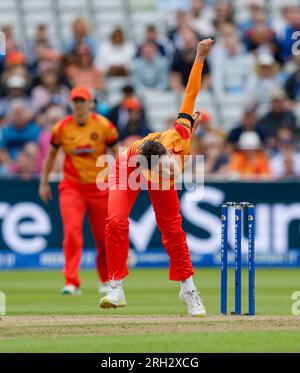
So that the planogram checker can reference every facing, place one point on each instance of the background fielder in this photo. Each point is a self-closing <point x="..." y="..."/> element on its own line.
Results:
<point x="84" y="136"/>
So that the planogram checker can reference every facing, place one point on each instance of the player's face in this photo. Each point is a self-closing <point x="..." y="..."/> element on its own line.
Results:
<point x="81" y="107"/>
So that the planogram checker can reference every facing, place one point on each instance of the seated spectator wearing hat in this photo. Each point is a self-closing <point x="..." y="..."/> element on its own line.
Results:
<point x="15" y="88"/>
<point x="49" y="91"/>
<point x="286" y="163"/>
<point x="263" y="82"/>
<point x="248" y="123"/>
<point x="20" y="130"/>
<point x="278" y="116"/>
<point x="151" y="70"/>
<point x="250" y="160"/>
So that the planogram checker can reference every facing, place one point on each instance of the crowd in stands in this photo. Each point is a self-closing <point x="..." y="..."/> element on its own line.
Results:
<point x="253" y="59"/>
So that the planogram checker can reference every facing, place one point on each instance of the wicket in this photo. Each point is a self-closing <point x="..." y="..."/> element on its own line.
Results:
<point x="239" y="211"/>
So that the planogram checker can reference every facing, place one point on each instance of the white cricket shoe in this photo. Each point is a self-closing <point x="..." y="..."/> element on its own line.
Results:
<point x="70" y="290"/>
<point x="194" y="303"/>
<point x="115" y="296"/>
<point x="103" y="287"/>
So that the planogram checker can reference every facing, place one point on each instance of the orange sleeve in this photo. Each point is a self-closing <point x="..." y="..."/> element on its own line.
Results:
<point x="192" y="89"/>
<point x="112" y="135"/>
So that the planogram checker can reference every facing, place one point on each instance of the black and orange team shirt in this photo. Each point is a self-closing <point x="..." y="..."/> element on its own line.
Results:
<point x="178" y="138"/>
<point x="83" y="144"/>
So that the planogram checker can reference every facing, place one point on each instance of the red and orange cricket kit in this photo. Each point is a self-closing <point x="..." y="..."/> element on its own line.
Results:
<point x="165" y="202"/>
<point x="82" y="145"/>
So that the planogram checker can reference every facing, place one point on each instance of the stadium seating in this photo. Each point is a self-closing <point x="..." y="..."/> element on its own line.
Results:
<point x="133" y="16"/>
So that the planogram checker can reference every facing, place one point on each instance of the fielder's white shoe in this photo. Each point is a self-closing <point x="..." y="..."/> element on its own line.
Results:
<point x="115" y="296"/>
<point x="193" y="302"/>
<point x="103" y="287"/>
<point x="70" y="290"/>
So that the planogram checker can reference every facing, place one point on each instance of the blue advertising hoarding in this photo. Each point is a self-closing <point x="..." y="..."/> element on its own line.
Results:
<point x="31" y="232"/>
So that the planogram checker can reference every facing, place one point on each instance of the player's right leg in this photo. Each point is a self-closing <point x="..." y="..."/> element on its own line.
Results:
<point x="72" y="209"/>
<point x="120" y="203"/>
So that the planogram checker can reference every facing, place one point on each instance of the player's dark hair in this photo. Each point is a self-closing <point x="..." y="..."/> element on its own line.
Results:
<point x="151" y="148"/>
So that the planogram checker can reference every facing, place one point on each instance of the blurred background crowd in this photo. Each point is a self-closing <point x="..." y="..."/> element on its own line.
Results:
<point x="136" y="57"/>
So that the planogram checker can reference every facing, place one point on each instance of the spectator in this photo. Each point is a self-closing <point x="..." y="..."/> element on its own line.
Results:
<point x="20" y="130"/>
<point x="83" y="72"/>
<point x="261" y="38"/>
<point x="115" y="56"/>
<point x="224" y="32"/>
<point x="286" y="163"/>
<point x="182" y="26"/>
<point x="224" y="13"/>
<point x="293" y="24"/>
<point x="183" y="61"/>
<point x="151" y="70"/>
<point x="248" y="123"/>
<point x="81" y="35"/>
<point x="276" y="118"/>
<point x="163" y="44"/>
<point x="249" y="160"/>
<point x="119" y="114"/>
<point x="292" y="86"/>
<point x="255" y="9"/>
<point x="41" y="50"/>
<point x="49" y="91"/>
<point x="265" y="80"/>
<point x="15" y="64"/>
<point x="200" y="20"/>
<point x="215" y="158"/>
<point x="53" y="114"/>
<point x="25" y="166"/>
<point x="15" y="88"/>
<point x="232" y="71"/>
<point x="11" y="47"/>
<point x="206" y="127"/>
<point x="134" y="124"/>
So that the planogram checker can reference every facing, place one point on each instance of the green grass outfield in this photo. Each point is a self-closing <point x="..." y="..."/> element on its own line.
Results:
<point x="40" y="319"/>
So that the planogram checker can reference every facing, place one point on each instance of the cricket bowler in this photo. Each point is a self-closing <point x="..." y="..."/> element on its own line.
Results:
<point x="165" y="145"/>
